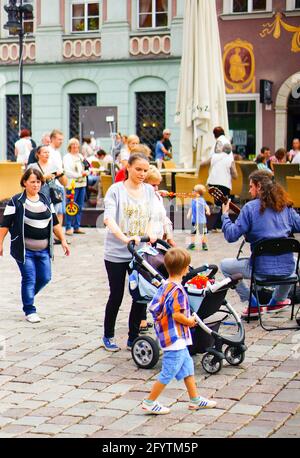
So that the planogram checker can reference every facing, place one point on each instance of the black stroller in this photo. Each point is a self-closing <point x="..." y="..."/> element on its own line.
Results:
<point x="209" y="307"/>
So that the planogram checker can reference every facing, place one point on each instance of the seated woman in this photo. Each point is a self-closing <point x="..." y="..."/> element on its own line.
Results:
<point x="280" y="157"/>
<point x="268" y="216"/>
<point x="261" y="162"/>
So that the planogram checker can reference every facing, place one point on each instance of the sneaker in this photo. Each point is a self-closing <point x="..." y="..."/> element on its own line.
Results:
<point x="33" y="318"/>
<point x="129" y="344"/>
<point x="204" y="247"/>
<point x="253" y="313"/>
<point x="191" y="246"/>
<point x="109" y="344"/>
<point x="278" y="306"/>
<point x="155" y="408"/>
<point x="202" y="403"/>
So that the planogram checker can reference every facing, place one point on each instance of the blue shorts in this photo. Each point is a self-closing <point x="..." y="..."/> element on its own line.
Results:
<point x="176" y="364"/>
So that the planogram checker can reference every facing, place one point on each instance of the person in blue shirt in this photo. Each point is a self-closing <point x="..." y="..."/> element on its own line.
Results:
<point x="198" y="211"/>
<point x="268" y="216"/>
<point x="161" y="152"/>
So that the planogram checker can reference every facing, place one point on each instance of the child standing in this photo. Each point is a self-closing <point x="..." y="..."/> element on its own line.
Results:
<point x="172" y="320"/>
<point x="198" y="211"/>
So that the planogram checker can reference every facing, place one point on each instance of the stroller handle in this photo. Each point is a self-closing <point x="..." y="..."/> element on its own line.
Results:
<point x="146" y="239"/>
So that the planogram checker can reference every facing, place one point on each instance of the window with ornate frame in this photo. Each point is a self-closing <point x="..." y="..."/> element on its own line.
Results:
<point x="85" y="16"/>
<point x="152" y="14"/>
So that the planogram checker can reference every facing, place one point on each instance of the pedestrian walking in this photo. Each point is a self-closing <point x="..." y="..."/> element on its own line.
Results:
<point x="30" y="218"/>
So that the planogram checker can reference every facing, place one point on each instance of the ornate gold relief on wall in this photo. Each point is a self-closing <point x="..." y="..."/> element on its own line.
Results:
<point x="239" y="67"/>
<point x="275" y="28"/>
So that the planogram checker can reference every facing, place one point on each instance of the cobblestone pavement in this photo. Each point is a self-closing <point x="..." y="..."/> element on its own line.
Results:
<point x="56" y="381"/>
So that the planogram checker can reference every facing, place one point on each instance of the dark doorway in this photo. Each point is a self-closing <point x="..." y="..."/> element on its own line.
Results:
<point x="12" y="121"/>
<point x="293" y="123"/>
<point x="242" y="119"/>
<point x="76" y="101"/>
<point x="150" y="116"/>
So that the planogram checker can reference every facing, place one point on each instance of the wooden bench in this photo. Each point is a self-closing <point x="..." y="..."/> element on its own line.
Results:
<point x="281" y="171"/>
<point x="10" y="175"/>
<point x="293" y="189"/>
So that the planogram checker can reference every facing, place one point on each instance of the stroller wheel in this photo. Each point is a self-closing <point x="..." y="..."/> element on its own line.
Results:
<point x="234" y="355"/>
<point x="211" y="363"/>
<point x="145" y="352"/>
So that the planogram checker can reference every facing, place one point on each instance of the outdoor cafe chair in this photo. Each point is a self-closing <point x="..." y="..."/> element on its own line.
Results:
<point x="281" y="171"/>
<point x="274" y="247"/>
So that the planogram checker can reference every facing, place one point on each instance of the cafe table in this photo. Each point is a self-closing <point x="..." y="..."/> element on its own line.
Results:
<point x="173" y="174"/>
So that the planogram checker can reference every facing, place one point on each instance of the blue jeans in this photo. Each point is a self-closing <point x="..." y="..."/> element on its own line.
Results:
<point x="36" y="273"/>
<point x="74" y="221"/>
<point x="231" y="266"/>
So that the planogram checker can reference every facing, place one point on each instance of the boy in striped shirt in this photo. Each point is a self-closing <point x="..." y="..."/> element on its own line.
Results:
<point x="172" y="322"/>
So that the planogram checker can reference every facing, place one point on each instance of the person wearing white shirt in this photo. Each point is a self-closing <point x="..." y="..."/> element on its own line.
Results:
<point x="221" y="140"/>
<point x="296" y="158"/>
<point x="132" y="141"/>
<point x="222" y="170"/>
<point x="56" y="140"/>
<point x="23" y="147"/>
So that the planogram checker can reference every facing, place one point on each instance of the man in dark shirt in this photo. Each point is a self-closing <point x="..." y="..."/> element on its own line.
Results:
<point x="44" y="141"/>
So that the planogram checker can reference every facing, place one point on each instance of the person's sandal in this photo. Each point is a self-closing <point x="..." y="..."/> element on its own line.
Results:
<point x="145" y="329"/>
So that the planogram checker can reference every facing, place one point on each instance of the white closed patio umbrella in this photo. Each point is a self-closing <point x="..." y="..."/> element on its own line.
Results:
<point x="201" y="98"/>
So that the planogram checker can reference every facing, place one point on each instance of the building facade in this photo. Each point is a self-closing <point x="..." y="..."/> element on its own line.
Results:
<point x="123" y="53"/>
<point x="260" y="40"/>
<point x="126" y="53"/>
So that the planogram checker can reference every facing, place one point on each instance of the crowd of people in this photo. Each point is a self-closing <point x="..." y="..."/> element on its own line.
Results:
<point x="134" y="208"/>
<point x="265" y="160"/>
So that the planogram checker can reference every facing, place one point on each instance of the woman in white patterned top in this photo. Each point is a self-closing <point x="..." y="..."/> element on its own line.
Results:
<point x="129" y="213"/>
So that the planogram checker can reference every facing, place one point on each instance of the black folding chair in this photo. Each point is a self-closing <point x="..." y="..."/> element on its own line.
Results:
<point x="274" y="247"/>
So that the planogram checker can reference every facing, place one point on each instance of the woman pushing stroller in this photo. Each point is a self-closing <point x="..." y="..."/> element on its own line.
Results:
<point x="129" y="214"/>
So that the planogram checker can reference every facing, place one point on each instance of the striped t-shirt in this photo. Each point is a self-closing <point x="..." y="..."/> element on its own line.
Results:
<point x="37" y="224"/>
<point x="169" y="299"/>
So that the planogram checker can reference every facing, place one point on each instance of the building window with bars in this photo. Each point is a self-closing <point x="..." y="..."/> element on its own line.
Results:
<point x="75" y="102"/>
<point x="85" y="17"/>
<point x="152" y="13"/>
<point x="251" y="6"/>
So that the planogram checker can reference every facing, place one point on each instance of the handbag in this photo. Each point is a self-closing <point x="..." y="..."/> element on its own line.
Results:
<point x="86" y="164"/>
<point x="56" y="193"/>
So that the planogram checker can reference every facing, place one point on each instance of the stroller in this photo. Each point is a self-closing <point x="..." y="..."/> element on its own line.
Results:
<point x="207" y="306"/>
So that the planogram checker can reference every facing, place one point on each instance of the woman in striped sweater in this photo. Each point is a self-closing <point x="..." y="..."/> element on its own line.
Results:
<point x="31" y="220"/>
